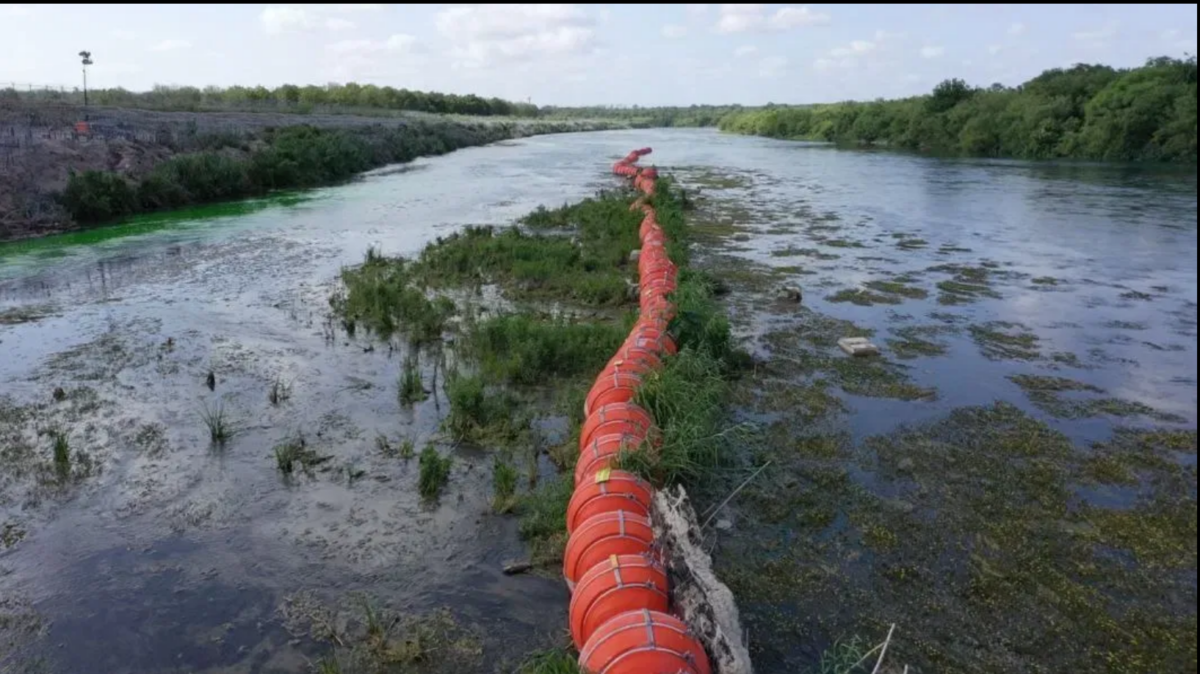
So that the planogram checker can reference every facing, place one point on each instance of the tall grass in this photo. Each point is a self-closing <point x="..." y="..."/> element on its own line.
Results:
<point x="557" y="661"/>
<point x="504" y="486"/>
<point x="279" y="392"/>
<point x="62" y="455"/>
<point x="523" y="349"/>
<point x="481" y="415"/>
<point x="412" y="389"/>
<point x="220" y="428"/>
<point x="381" y="294"/>
<point x="544" y="519"/>
<point x="435" y="473"/>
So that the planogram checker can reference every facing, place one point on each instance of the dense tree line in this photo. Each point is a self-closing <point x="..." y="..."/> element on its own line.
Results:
<point x="299" y="99"/>
<point x="1087" y="112"/>
<point x="288" y="157"/>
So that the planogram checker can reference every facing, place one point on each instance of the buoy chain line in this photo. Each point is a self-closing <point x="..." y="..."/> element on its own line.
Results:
<point x="620" y="615"/>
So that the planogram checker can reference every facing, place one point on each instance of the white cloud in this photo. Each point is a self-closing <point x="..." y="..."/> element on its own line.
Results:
<point x="697" y="10"/>
<point x="772" y="66"/>
<point x="994" y="49"/>
<point x="486" y="35"/>
<point x="337" y="23"/>
<point x="745" y="50"/>
<point x="171" y="45"/>
<point x="1017" y="28"/>
<point x="856" y="47"/>
<point x="1098" y="36"/>
<point x="932" y="51"/>
<point x="794" y="17"/>
<point x="739" y="18"/>
<point x="823" y="64"/>
<point x="278" y="19"/>
<point x="673" y="30"/>
<point x="16" y="10"/>
<point x="366" y="59"/>
<point x="753" y="17"/>
<point x="399" y="43"/>
<point x="123" y="35"/>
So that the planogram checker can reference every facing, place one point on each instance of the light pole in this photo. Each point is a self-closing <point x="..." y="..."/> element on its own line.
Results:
<point x="87" y="61"/>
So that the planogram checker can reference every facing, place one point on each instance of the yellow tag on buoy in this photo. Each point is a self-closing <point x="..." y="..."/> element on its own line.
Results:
<point x="603" y="475"/>
<point x="612" y="560"/>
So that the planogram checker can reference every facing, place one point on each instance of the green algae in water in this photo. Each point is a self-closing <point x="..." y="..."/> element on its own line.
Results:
<point x="862" y="298"/>
<point x="150" y="223"/>
<point x="973" y="527"/>
<point x="1003" y="340"/>
<point x="898" y="286"/>
<point x="1047" y="394"/>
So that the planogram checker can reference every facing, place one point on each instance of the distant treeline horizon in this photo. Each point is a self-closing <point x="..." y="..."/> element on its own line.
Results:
<point x="1086" y="111"/>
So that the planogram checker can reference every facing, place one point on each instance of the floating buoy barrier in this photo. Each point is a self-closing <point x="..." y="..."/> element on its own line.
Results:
<point x="620" y="584"/>
<point x="614" y="418"/>
<point x="608" y="491"/>
<point x="602" y="452"/>
<point x="643" y="642"/>
<point x="601" y="536"/>
<point x="620" y="605"/>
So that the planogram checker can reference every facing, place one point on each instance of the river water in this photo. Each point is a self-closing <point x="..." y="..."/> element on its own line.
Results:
<point x="174" y="556"/>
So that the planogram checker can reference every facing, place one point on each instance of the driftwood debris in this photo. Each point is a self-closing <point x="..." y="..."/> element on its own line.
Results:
<point x="703" y="601"/>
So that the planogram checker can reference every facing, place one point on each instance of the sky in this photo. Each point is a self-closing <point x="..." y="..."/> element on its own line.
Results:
<point x="560" y="54"/>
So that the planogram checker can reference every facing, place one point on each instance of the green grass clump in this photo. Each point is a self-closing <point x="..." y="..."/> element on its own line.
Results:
<point x="382" y="294"/>
<point x="686" y="398"/>
<point x="412" y="389"/>
<point x="62" y="455"/>
<point x="296" y="451"/>
<point x="478" y="414"/>
<point x="543" y="523"/>
<point x="504" y="486"/>
<point x="556" y="661"/>
<point x="522" y="349"/>
<point x="280" y="391"/>
<point x="220" y="428"/>
<point x="435" y="473"/>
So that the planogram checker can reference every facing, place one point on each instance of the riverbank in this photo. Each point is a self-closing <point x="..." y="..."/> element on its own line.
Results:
<point x="1089" y="112"/>
<point x="133" y="161"/>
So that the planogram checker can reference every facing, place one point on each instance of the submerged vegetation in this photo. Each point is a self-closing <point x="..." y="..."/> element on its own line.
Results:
<point x="1087" y="112"/>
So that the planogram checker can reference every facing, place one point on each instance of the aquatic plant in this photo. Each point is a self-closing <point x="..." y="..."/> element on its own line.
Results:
<point x="220" y="429"/>
<point x="62" y="455"/>
<point x="504" y="486"/>
<point x="411" y="388"/>
<point x="280" y="391"/>
<point x="479" y="415"/>
<point x="435" y="472"/>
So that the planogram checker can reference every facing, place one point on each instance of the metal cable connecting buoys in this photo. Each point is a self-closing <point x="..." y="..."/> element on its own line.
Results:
<point x="620" y="607"/>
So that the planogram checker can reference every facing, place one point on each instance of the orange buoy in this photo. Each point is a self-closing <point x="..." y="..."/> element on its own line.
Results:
<point x="643" y="642"/>
<point x="618" y="585"/>
<point x="638" y="419"/>
<point x="609" y="490"/>
<point x="617" y="387"/>
<point x="633" y="354"/>
<point x="635" y="367"/>
<point x="598" y="537"/>
<point x="603" y="451"/>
